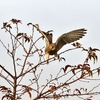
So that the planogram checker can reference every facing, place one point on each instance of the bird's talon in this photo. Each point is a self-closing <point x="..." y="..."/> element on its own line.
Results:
<point x="54" y="58"/>
<point x="47" y="62"/>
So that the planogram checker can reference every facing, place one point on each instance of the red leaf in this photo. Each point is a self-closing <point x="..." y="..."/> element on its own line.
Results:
<point x="29" y="93"/>
<point x="77" y="90"/>
<point x="15" y="21"/>
<point x="66" y="67"/>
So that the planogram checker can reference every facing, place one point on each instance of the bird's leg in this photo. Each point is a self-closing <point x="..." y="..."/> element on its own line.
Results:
<point x="47" y="61"/>
<point x="47" y="57"/>
<point x="56" y="55"/>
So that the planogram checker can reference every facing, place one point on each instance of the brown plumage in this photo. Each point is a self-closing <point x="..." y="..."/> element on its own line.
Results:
<point x="53" y="48"/>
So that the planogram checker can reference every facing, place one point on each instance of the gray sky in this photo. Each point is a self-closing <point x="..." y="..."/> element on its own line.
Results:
<point x="59" y="15"/>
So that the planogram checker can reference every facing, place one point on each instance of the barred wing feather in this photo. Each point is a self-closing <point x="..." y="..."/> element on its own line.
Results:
<point x="69" y="37"/>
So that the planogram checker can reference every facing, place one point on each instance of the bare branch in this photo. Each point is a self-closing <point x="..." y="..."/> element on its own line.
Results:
<point x="6" y="71"/>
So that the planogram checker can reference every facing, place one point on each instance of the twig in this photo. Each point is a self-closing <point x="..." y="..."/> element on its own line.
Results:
<point x="7" y="71"/>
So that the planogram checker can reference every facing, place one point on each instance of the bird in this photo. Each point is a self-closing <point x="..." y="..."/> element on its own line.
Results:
<point x="66" y="38"/>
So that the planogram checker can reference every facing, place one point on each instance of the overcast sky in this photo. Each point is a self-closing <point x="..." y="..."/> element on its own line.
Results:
<point x="59" y="15"/>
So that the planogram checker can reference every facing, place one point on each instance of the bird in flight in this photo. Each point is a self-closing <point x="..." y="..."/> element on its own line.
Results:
<point x="52" y="48"/>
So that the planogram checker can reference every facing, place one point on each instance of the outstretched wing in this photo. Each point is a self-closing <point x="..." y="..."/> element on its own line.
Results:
<point x="69" y="37"/>
<point x="47" y="38"/>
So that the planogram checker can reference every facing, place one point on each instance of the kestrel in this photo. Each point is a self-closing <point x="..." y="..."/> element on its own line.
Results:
<point x="52" y="48"/>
